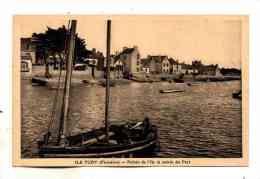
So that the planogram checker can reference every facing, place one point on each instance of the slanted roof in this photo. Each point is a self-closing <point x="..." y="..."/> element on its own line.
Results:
<point x="127" y="50"/>
<point x="157" y="58"/>
<point x="172" y="61"/>
<point x="145" y="62"/>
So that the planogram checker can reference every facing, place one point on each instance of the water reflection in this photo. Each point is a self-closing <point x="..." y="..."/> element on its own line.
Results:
<point x="204" y="121"/>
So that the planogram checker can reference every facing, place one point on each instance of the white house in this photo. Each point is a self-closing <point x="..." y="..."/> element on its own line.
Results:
<point x="165" y="65"/>
<point x="118" y="68"/>
<point x="28" y="49"/>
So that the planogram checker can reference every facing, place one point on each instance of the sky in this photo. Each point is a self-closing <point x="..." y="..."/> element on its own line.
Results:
<point x="212" y="39"/>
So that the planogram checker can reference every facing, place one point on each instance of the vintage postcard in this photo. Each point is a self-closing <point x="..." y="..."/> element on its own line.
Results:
<point x="130" y="90"/>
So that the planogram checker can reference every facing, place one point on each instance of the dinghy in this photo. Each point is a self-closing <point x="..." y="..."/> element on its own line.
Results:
<point x="171" y="91"/>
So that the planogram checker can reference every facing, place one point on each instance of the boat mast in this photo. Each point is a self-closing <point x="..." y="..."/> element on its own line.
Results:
<point x="107" y="80"/>
<point x="69" y="64"/>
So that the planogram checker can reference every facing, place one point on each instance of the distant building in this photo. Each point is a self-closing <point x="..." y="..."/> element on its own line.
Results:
<point x="156" y="64"/>
<point x="211" y="70"/>
<point x="28" y="50"/>
<point x="186" y="69"/>
<point x="26" y="66"/>
<point x="130" y="58"/>
<point x="100" y="59"/>
<point x="96" y="57"/>
<point x="175" y="66"/>
<point x="197" y="66"/>
<point x="27" y="55"/>
<point x="145" y="63"/>
<point x="165" y="65"/>
<point x="200" y="68"/>
<point x="118" y="67"/>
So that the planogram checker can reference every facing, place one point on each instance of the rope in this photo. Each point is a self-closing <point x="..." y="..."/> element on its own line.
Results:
<point x="55" y="102"/>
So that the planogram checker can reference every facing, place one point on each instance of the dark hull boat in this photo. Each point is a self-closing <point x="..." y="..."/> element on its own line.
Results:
<point x="39" y="81"/>
<point x="237" y="95"/>
<point x="178" y="80"/>
<point x="124" y="141"/>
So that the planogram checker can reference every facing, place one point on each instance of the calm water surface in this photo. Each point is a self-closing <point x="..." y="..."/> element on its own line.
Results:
<point x="204" y="121"/>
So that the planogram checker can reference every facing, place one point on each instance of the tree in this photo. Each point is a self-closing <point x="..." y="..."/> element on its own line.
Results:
<point x="53" y="42"/>
<point x="42" y="48"/>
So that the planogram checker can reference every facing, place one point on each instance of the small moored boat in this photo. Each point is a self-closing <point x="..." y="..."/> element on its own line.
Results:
<point x="237" y="95"/>
<point x="39" y="81"/>
<point x="171" y="91"/>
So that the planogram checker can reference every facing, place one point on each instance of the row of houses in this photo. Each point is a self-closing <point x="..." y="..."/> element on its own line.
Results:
<point x="126" y="62"/>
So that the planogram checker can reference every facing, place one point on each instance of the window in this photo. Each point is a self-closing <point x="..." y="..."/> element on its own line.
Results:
<point x="137" y="69"/>
<point x="24" y="67"/>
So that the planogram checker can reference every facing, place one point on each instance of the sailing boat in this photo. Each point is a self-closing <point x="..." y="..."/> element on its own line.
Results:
<point x="130" y="139"/>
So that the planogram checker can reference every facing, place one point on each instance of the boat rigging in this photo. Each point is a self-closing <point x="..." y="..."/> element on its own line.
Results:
<point x="129" y="139"/>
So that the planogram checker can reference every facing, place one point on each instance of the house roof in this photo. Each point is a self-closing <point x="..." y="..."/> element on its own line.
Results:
<point x="127" y="50"/>
<point x="157" y="58"/>
<point x="145" y="62"/>
<point x="172" y="61"/>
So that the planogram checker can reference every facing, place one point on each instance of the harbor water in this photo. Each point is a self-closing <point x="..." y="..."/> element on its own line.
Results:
<point x="203" y="121"/>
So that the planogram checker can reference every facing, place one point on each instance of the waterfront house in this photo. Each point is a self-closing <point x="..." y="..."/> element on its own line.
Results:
<point x="186" y="69"/>
<point x="130" y="58"/>
<point x="145" y="63"/>
<point x="28" y="50"/>
<point x="118" y="67"/>
<point x="210" y="70"/>
<point x="165" y="64"/>
<point x="175" y="67"/>
<point x="157" y="64"/>
<point x="26" y="66"/>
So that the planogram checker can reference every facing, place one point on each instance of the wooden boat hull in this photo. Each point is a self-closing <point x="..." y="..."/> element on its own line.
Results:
<point x="137" y="148"/>
<point x="39" y="81"/>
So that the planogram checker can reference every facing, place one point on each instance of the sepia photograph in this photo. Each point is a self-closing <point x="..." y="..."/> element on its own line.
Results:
<point x="130" y="90"/>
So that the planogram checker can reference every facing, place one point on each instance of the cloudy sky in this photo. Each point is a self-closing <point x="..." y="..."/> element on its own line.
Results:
<point x="213" y="39"/>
